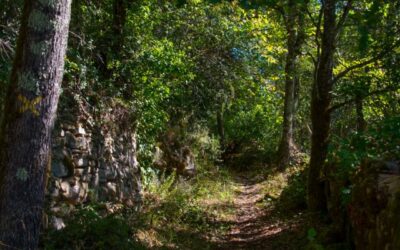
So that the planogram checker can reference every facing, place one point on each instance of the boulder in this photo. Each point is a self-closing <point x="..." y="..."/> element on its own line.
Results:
<point x="171" y="155"/>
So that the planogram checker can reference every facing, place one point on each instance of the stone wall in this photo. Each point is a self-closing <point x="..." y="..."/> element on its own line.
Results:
<point x="375" y="205"/>
<point x="93" y="157"/>
<point x="371" y="216"/>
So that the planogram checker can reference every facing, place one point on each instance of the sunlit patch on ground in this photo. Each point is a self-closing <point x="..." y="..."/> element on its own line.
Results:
<point x="241" y="213"/>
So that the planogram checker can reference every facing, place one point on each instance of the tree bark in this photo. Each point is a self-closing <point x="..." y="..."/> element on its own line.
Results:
<point x="295" y="32"/>
<point x="30" y="108"/>
<point x="320" y="113"/>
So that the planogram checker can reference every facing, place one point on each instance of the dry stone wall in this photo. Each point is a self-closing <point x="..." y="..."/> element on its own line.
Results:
<point x="93" y="157"/>
<point x="374" y="208"/>
<point x="370" y="218"/>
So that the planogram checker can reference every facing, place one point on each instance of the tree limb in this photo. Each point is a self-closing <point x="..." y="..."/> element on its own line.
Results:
<point x="344" y="16"/>
<point x="313" y="21"/>
<point x="281" y="11"/>
<point x="365" y="63"/>
<point x="318" y="31"/>
<point x="376" y="92"/>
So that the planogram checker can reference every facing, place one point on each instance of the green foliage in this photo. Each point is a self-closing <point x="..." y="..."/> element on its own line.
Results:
<point x="293" y="197"/>
<point x="179" y="209"/>
<point x="87" y="229"/>
<point x="257" y="121"/>
<point x="380" y="142"/>
<point x="8" y="35"/>
<point x="206" y="147"/>
<point x="311" y="234"/>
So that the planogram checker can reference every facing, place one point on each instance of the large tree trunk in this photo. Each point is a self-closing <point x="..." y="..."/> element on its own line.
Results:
<point x="287" y="147"/>
<point x="29" y="115"/>
<point x="320" y="113"/>
<point x="295" y="32"/>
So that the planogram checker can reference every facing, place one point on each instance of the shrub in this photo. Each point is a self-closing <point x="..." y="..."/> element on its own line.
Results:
<point x="87" y="229"/>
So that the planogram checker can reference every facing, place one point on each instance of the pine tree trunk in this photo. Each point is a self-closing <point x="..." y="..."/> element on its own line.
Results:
<point x="320" y="114"/>
<point x="30" y="108"/>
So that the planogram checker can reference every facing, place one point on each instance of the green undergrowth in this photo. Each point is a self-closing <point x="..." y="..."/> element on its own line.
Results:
<point x="188" y="214"/>
<point x="182" y="214"/>
<point x="282" y="189"/>
<point x="284" y="193"/>
<point x="92" y="227"/>
<point x="175" y="213"/>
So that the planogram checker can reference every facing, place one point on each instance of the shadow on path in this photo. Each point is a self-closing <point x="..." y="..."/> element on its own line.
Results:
<point x="258" y="227"/>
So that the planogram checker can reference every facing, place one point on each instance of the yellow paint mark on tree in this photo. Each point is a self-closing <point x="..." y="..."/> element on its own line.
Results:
<point x="29" y="105"/>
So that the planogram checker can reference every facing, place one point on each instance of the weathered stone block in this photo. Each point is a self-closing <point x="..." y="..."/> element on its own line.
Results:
<point x="59" y="170"/>
<point x="81" y="162"/>
<point x="81" y="131"/>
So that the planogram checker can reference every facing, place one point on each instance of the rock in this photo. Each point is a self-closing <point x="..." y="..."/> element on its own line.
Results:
<point x="111" y="173"/>
<point x="59" y="170"/>
<point x="85" y="186"/>
<point x="79" y="172"/>
<point x="81" y="143"/>
<point x="96" y="179"/>
<point x="81" y="162"/>
<point x="173" y="156"/>
<point x="55" y="193"/>
<point x="375" y="204"/>
<point x="57" y="223"/>
<point x="389" y="181"/>
<point x="81" y="130"/>
<point x="56" y="210"/>
<point x="68" y="127"/>
<point x="65" y="186"/>
<point x="72" y="196"/>
<point x="112" y="188"/>
<point x="70" y="140"/>
<point x="102" y="176"/>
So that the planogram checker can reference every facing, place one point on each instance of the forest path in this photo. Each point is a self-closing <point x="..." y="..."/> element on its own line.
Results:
<point x="256" y="226"/>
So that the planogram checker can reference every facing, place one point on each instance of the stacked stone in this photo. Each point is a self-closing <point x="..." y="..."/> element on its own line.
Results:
<point x="374" y="208"/>
<point x="73" y="163"/>
<point x="93" y="158"/>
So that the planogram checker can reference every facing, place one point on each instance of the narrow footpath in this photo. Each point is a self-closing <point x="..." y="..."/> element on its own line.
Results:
<point x="255" y="226"/>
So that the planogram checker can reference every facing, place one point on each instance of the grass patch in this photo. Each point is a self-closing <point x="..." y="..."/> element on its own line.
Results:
<point x="183" y="213"/>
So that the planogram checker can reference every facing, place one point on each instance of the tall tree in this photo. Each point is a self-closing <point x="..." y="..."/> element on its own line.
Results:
<point x="320" y="103"/>
<point x="332" y="17"/>
<point x="294" y="24"/>
<point x="31" y="103"/>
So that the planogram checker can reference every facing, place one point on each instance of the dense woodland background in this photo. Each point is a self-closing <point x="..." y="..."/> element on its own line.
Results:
<point x="256" y="124"/>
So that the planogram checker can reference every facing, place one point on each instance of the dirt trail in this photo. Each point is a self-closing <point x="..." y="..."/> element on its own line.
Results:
<point x="254" y="227"/>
